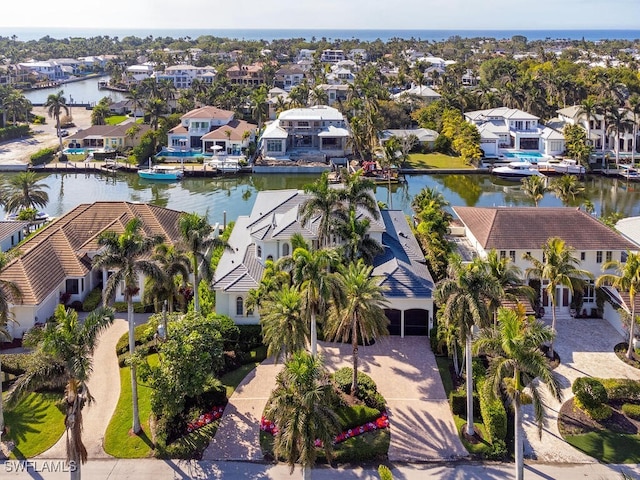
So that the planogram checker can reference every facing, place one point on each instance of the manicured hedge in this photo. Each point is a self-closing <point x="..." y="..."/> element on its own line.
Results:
<point x="621" y="389"/>
<point x="367" y="390"/>
<point x="13" y="131"/>
<point x="42" y="156"/>
<point x="141" y="336"/>
<point x="631" y="410"/>
<point x="589" y="392"/>
<point x="494" y="415"/>
<point x="356" y="415"/>
<point x="249" y="337"/>
<point x="458" y="402"/>
<point x="122" y="307"/>
<point x="92" y="301"/>
<point x="15" y="363"/>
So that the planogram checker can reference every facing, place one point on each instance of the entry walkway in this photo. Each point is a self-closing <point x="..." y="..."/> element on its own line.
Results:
<point x="406" y="373"/>
<point x="585" y="347"/>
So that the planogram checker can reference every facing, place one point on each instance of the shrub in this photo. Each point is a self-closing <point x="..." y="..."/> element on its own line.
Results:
<point x="228" y="330"/>
<point x="42" y="156"/>
<point x="384" y="473"/>
<point x="631" y="410"/>
<point x="15" y="363"/>
<point x="622" y="389"/>
<point x="92" y="300"/>
<point x="367" y="390"/>
<point x="76" y="305"/>
<point x="458" y="402"/>
<point x="13" y="131"/>
<point x="493" y="413"/>
<point x="589" y="392"/>
<point x="356" y="415"/>
<point x="498" y="451"/>
<point x="141" y="335"/>
<point x="599" y="413"/>
<point x="249" y="337"/>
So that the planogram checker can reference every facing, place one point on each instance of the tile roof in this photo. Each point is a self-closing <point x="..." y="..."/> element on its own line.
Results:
<point x="60" y="250"/>
<point x="236" y="127"/>
<point x="107" y="131"/>
<point x="530" y="228"/>
<point x="208" y="112"/>
<point x="8" y="228"/>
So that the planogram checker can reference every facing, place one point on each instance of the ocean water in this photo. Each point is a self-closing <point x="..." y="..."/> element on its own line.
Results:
<point x="25" y="34"/>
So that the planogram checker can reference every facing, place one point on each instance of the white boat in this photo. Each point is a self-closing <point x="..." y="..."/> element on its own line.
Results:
<point x="564" y="166"/>
<point x="160" y="172"/>
<point x="40" y="217"/>
<point x="516" y="171"/>
<point x="225" y="165"/>
<point x="629" y="173"/>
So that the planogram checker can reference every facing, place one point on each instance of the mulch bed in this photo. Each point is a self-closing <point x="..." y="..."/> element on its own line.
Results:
<point x="553" y="362"/>
<point x="573" y="421"/>
<point x="621" y="352"/>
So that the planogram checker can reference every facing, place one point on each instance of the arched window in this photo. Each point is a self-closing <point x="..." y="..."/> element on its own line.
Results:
<point x="270" y="257"/>
<point x="285" y="249"/>
<point x="239" y="306"/>
<point x="259" y="251"/>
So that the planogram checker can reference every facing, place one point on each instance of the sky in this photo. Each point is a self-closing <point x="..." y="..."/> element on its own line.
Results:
<point x="324" y="14"/>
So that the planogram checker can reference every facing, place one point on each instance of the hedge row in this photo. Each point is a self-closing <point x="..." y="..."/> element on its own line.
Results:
<point x="621" y="389"/>
<point x="15" y="363"/>
<point x="458" y="402"/>
<point x="141" y="335"/>
<point x="42" y="156"/>
<point x="631" y="410"/>
<point x="493" y="413"/>
<point x="14" y="131"/>
<point x="92" y="301"/>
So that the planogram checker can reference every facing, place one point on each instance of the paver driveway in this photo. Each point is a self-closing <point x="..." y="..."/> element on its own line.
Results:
<point x="406" y="373"/>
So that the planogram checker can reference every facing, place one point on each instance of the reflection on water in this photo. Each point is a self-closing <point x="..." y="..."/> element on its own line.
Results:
<point x="213" y="196"/>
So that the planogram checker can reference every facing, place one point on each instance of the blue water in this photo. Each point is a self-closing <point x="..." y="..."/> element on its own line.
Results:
<point x="523" y="155"/>
<point x="35" y="33"/>
<point x="74" y="150"/>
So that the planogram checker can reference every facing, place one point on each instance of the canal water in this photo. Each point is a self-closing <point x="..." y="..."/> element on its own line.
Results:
<point x="82" y="92"/>
<point x="236" y="195"/>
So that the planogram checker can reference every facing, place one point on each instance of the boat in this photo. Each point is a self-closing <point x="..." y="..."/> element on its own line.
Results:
<point x="40" y="217"/>
<point x="516" y="171"/>
<point x="564" y="166"/>
<point x="225" y="165"/>
<point x="629" y="173"/>
<point x="160" y="172"/>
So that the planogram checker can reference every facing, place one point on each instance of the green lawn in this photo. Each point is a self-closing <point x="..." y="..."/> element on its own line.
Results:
<point x="35" y="424"/>
<point x="608" y="447"/>
<point x="118" y="440"/>
<point x="115" y="119"/>
<point x="431" y="161"/>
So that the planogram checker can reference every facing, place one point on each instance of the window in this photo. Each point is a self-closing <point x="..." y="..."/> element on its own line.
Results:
<point x="623" y="256"/>
<point x="512" y="255"/>
<point x="583" y="256"/>
<point x="285" y="249"/>
<point x="239" y="306"/>
<point x="609" y="256"/>
<point x="72" y="286"/>
<point x="589" y="292"/>
<point x="259" y="251"/>
<point x="274" y="146"/>
<point x="599" y="256"/>
<point x="503" y="254"/>
<point x="270" y="258"/>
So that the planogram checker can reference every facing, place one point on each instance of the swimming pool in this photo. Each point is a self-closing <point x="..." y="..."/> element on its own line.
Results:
<point x="524" y="155"/>
<point x="179" y="153"/>
<point x="76" y="151"/>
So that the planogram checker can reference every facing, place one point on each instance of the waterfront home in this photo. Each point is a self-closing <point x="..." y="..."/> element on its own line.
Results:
<point x="136" y="73"/>
<point x="514" y="231"/>
<point x="183" y="75"/>
<point x="319" y="131"/>
<point x="504" y="129"/>
<point x="246" y="74"/>
<point x="265" y="234"/>
<point x="288" y="77"/>
<point x="630" y="229"/>
<point x="204" y="128"/>
<point x="48" y="70"/>
<point x="55" y="263"/>
<point x="335" y="93"/>
<point x="106" y="136"/>
<point x="331" y="55"/>
<point x="425" y="137"/>
<point x="12" y="233"/>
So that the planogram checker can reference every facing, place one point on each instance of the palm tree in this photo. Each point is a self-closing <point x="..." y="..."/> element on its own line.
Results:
<point x="634" y="108"/>
<point x="174" y="263"/>
<point x="274" y="278"/>
<point x="356" y="241"/>
<point x="357" y="192"/>
<point x="136" y="98"/>
<point x="64" y="359"/>
<point x="310" y="273"/>
<point x="323" y="202"/>
<point x="23" y="191"/>
<point x="55" y="105"/>
<point x="284" y="328"/>
<point x="567" y="188"/>
<point x="259" y="107"/>
<point x="618" y="122"/>
<point x="100" y="113"/>
<point x="197" y="237"/>
<point x="464" y="297"/>
<point x="155" y="108"/>
<point x="358" y="315"/>
<point x="627" y="279"/>
<point x="8" y="292"/>
<point x="534" y="187"/>
<point x="589" y="108"/>
<point x="516" y="360"/>
<point x="126" y="257"/>
<point x="300" y="407"/>
<point x="559" y="268"/>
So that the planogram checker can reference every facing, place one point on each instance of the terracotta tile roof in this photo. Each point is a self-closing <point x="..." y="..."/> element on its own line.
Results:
<point x="8" y="228"/>
<point x="236" y="127"/>
<point x="208" y="112"/>
<point x="107" y="131"/>
<point x="530" y="228"/>
<point x="60" y="250"/>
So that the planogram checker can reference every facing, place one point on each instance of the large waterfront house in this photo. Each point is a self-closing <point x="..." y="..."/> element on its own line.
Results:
<point x="425" y="137"/>
<point x="288" y="76"/>
<point x="56" y="262"/>
<point x="48" y="70"/>
<point x="505" y="129"/>
<point x="247" y="74"/>
<point x="208" y="129"/>
<point x="266" y="234"/>
<point x="514" y="231"/>
<point x="183" y="75"/>
<point x="320" y="130"/>
<point x="115" y="137"/>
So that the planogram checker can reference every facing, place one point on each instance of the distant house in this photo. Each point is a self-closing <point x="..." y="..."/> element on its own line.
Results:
<point x="426" y="137"/>
<point x="332" y="55"/>
<point x="57" y="260"/>
<point x="288" y="77"/>
<point x="206" y="127"/>
<point x="266" y="234"/>
<point x="320" y="128"/>
<point x="106" y="136"/>
<point x="246" y="74"/>
<point x="11" y="234"/>
<point x="183" y="75"/>
<point x="514" y="231"/>
<point x="422" y="92"/>
<point x="336" y="92"/>
<point x="49" y="70"/>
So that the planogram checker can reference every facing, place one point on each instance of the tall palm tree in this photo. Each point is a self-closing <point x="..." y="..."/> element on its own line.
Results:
<point x="358" y="314"/>
<point x="358" y="193"/>
<point x="589" y="108"/>
<point x="9" y="292"/>
<point x="618" y="123"/>
<point x="516" y="360"/>
<point x="310" y="272"/>
<point x="55" y="105"/>
<point x="356" y="240"/>
<point x="24" y="191"/>
<point x="633" y="103"/>
<point x="274" y="278"/>
<point x="323" y="202"/>
<point x="259" y="107"/>
<point x="464" y="297"/>
<point x="197" y="237"/>
<point x="64" y="359"/>
<point x="135" y="96"/>
<point x="126" y="256"/>
<point x="627" y="279"/>
<point x="175" y="263"/>
<point x="567" y="188"/>
<point x="534" y="187"/>
<point x="559" y="268"/>
<point x="300" y="407"/>
<point x="284" y="328"/>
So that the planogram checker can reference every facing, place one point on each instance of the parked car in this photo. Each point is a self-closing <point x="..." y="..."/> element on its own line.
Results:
<point x="64" y="133"/>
